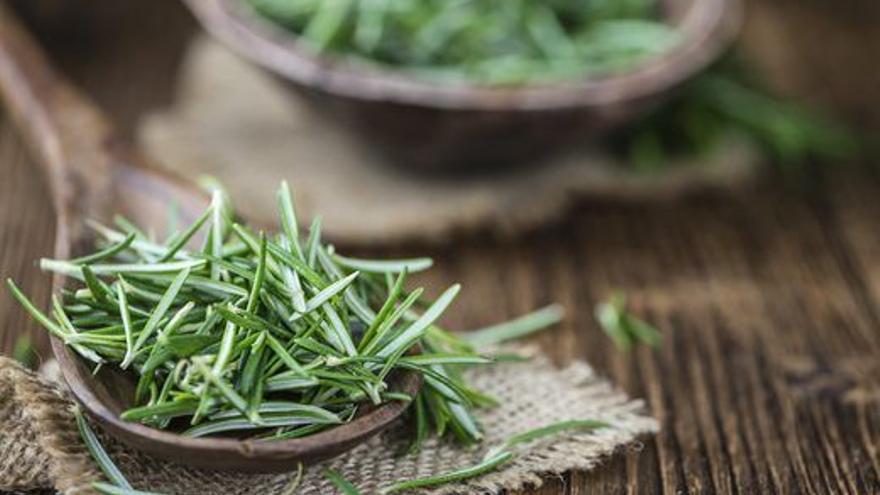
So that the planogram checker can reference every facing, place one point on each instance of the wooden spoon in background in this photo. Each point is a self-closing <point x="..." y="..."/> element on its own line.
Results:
<point x="93" y="174"/>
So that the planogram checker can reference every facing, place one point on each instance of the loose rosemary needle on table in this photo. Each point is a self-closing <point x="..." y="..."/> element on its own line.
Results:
<point x="267" y="335"/>
<point x="624" y="328"/>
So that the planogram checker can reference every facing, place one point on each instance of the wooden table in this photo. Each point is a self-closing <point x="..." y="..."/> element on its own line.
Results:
<point x="768" y="378"/>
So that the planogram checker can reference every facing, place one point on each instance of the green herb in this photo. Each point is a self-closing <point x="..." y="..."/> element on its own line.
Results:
<point x="624" y="328"/>
<point x="98" y="453"/>
<point x="341" y="483"/>
<point x="517" y="328"/>
<point x="222" y="336"/>
<point x="219" y="338"/>
<point x="722" y="104"/>
<point x="35" y="313"/>
<point x="485" y="466"/>
<point x="23" y="351"/>
<point x="487" y="42"/>
<point x="545" y="431"/>
<point x="109" y="489"/>
<point x="108" y="252"/>
<point x="291" y="488"/>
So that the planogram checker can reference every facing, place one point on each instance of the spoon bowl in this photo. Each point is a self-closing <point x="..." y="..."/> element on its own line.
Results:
<point x="93" y="175"/>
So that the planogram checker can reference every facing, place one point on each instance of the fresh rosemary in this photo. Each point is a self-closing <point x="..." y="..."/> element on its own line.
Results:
<point x="23" y="351"/>
<point x="270" y="336"/>
<point x="485" y="42"/>
<point x="727" y="102"/>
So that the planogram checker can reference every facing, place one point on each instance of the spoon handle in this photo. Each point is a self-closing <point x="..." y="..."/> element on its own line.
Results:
<point x="68" y="135"/>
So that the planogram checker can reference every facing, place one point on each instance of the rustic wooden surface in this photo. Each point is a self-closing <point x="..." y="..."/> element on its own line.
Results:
<point x="768" y="378"/>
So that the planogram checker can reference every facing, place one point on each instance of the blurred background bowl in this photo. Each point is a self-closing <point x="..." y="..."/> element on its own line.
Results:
<point x="430" y="125"/>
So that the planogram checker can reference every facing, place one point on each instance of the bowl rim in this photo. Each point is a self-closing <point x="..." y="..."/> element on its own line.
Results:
<point x="707" y="28"/>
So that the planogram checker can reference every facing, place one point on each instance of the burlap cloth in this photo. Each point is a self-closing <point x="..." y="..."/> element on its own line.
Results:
<point x="231" y="120"/>
<point x="40" y="446"/>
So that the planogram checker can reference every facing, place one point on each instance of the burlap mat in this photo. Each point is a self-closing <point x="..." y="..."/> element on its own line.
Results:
<point x="41" y="448"/>
<point x="233" y="121"/>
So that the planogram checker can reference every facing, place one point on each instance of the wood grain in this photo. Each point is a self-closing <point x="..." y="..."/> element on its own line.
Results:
<point x="768" y="378"/>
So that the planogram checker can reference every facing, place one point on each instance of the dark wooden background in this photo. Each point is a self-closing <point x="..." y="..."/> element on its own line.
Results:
<point x="768" y="378"/>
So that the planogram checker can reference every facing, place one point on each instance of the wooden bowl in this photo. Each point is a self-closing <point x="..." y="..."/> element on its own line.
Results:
<point x="432" y="125"/>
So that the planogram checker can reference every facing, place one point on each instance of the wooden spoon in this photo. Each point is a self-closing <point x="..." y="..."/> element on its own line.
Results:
<point x="93" y="174"/>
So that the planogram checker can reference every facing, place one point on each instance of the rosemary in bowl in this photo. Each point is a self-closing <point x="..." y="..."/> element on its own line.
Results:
<point x="269" y="336"/>
<point x="484" y="42"/>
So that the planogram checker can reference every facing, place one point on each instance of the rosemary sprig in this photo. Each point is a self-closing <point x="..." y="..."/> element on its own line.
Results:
<point x="98" y="453"/>
<point x="516" y="328"/>
<point x="483" y="467"/>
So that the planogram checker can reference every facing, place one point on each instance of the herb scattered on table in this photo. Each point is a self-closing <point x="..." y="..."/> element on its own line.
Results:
<point x="624" y="328"/>
<point x="485" y="42"/>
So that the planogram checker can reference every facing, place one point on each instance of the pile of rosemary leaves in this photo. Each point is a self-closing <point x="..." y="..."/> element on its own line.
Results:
<point x="270" y="336"/>
<point x="484" y="42"/>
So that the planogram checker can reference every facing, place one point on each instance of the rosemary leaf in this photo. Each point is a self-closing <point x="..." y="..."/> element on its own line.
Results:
<point x="517" y="328"/>
<point x="341" y="483"/>
<point x="462" y="474"/>
<point x="98" y="453"/>
<point x="107" y="252"/>
<point x="385" y="266"/>
<point x="108" y="489"/>
<point x="158" y="313"/>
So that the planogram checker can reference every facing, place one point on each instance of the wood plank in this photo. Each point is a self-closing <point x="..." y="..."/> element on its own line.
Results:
<point x="26" y="233"/>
